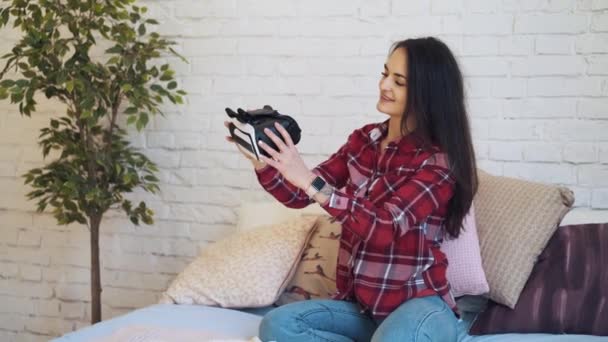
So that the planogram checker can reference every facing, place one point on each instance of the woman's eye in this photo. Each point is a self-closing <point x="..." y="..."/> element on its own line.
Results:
<point x="385" y="75"/>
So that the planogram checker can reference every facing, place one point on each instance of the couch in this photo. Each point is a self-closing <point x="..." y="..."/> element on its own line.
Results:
<point x="242" y="324"/>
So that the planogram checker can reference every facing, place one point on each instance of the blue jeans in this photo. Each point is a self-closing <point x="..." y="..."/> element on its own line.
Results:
<point x="418" y="319"/>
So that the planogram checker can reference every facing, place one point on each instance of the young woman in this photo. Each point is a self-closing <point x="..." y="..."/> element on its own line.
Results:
<point x="398" y="187"/>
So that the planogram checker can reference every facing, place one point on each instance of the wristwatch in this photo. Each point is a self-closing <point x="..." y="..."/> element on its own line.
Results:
<point x="318" y="185"/>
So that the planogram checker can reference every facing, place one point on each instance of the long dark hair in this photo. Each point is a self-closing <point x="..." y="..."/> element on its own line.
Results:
<point x="435" y="96"/>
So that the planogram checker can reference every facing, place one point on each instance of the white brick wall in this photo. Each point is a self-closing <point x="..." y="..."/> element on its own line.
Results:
<point x="537" y="85"/>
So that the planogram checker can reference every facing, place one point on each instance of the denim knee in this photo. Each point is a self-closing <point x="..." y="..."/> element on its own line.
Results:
<point x="274" y="324"/>
<point x="423" y="322"/>
<point x="432" y="328"/>
<point x="437" y="326"/>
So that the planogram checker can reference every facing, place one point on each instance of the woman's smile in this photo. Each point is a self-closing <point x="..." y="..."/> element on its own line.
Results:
<point x="386" y="99"/>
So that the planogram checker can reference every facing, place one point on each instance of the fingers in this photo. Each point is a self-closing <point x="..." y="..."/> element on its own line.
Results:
<point x="272" y="152"/>
<point x="284" y="133"/>
<point x="269" y="149"/>
<point x="280" y="144"/>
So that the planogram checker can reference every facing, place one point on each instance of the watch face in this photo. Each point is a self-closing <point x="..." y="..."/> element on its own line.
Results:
<point x="318" y="183"/>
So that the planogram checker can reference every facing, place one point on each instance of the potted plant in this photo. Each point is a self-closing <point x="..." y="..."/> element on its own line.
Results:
<point x="95" y="165"/>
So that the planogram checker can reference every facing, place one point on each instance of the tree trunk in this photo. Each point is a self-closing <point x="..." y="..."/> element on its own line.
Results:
<point x="95" y="274"/>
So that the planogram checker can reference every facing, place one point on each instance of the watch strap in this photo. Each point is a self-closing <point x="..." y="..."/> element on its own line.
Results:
<point x="313" y="188"/>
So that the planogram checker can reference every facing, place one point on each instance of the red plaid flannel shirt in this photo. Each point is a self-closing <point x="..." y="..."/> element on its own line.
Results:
<point x="392" y="208"/>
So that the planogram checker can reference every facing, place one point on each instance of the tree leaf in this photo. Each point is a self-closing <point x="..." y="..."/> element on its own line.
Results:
<point x="113" y="60"/>
<point x="131" y="110"/>
<point x="143" y="117"/>
<point x="7" y="83"/>
<point x="29" y="73"/>
<point x="126" y="87"/>
<point x="167" y="76"/>
<point x="16" y="97"/>
<point x="157" y="88"/>
<point x="131" y="119"/>
<point x="115" y="49"/>
<point x="70" y="205"/>
<point x="147" y="219"/>
<point x="5" y="17"/>
<point x="151" y="178"/>
<point x="69" y="85"/>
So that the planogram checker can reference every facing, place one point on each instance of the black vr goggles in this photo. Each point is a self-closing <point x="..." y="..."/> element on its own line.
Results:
<point x="247" y="128"/>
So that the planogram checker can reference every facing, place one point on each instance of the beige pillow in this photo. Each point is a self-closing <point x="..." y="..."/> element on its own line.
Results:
<point x="315" y="276"/>
<point x="515" y="219"/>
<point x="254" y="214"/>
<point x="247" y="269"/>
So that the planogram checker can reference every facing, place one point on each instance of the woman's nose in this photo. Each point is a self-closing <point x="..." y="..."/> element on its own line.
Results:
<point x="385" y="84"/>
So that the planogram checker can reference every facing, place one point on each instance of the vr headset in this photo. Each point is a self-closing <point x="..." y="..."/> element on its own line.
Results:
<point x="247" y="128"/>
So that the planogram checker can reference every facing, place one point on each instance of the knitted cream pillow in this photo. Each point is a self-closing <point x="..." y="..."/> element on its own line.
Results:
<point x="247" y="269"/>
<point x="515" y="219"/>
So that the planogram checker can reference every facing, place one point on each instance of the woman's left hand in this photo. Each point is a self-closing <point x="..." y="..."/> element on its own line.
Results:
<point x="287" y="160"/>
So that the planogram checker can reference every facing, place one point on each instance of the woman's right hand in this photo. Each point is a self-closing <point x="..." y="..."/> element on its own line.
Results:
<point x="258" y="164"/>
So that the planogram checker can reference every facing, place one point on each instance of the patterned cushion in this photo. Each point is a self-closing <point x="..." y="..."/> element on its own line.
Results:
<point x="465" y="271"/>
<point x="315" y="276"/>
<point x="515" y="219"/>
<point x="566" y="293"/>
<point x="247" y="269"/>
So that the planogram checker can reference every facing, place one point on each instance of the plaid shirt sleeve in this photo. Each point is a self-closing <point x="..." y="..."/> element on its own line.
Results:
<point x="333" y="170"/>
<point x="430" y="188"/>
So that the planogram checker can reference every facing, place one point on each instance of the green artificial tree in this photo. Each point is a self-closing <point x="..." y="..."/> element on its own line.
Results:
<point x="95" y="164"/>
